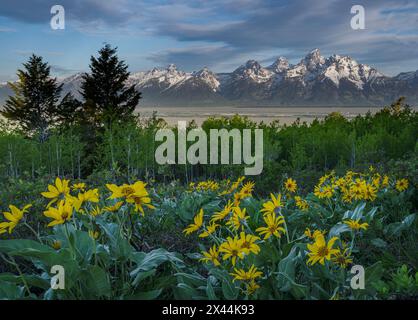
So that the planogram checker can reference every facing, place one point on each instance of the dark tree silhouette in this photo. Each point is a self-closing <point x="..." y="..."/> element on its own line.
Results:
<point x="106" y="96"/>
<point x="35" y="100"/>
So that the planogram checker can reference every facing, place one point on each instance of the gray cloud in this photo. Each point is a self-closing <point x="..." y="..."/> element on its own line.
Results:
<point x="38" y="11"/>
<point x="297" y="26"/>
<point x="220" y="32"/>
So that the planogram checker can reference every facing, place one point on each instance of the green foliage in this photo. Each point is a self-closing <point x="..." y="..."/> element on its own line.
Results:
<point x="34" y="105"/>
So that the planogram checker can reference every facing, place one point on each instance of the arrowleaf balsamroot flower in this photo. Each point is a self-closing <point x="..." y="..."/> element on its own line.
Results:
<point x="402" y="185"/>
<point x="89" y="196"/>
<point x="197" y="223"/>
<point x="211" y="256"/>
<point x="356" y="225"/>
<point x="320" y="250"/>
<point x="58" y="191"/>
<point x="96" y="211"/>
<point x="61" y="214"/>
<point x="94" y="234"/>
<point x="239" y="217"/>
<point x="313" y="235"/>
<point x="290" y="185"/>
<point x="273" y="228"/>
<point x="211" y="228"/>
<point x="273" y="205"/>
<point x="140" y="199"/>
<point x="248" y="243"/>
<point x="114" y="208"/>
<point x="14" y="216"/>
<point x="120" y="191"/>
<point x="301" y="204"/>
<point x="251" y="287"/>
<point x="56" y="244"/>
<point x="133" y="193"/>
<point x="342" y="258"/>
<point x="79" y="186"/>
<point x="249" y="275"/>
<point x="247" y="189"/>
<point x="231" y="248"/>
<point x="217" y="216"/>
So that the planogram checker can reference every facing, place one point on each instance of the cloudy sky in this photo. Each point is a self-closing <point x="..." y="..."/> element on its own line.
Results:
<point x="219" y="34"/>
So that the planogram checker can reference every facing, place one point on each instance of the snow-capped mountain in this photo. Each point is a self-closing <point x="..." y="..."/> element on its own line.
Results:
<point x="315" y="80"/>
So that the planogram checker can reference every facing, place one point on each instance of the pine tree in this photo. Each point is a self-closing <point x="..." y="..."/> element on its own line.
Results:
<point x="106" y="97"/>
<point x="34" y="104"/>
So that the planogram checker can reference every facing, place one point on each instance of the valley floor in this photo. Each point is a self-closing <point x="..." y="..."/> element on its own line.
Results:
<point x="286" y="115"/>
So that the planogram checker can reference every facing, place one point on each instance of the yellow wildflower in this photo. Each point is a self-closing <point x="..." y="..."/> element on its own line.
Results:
<point x="89" y="196"/>
<point x="56" y="244"/>
<point x="342" y="258"/>
<point x="198" y="222"/>
<point x="79" y="186"/>
<point x="61" y="214"/>
<point x="247" y="189"/>
<point x="217" y="216"/>
<point x="58" y="191"/>
<point x="273" y="223"/>
<point x="370" y="192"/>
<point x="290" y="185"/>
<point x="320" y="250"/>
<point x="231" y="248"/>
<point x="272" y="206"/>
<point x="96" y="211"/>
<point x="209" y="230"/>
<point x="248" y="243"/>
<point x="402" y="185"/>
<point x="251" y="287"/>
<point x="94" y="234"/>
<point x="242" y="275"/>
<point x="301" y="204"/>
<point x="211" y="256"/>
<point x="114" y="208"/>
<point x="238" y="218"/>
<point x="385" y="181"/>
<point x="14" y="217"/>
<point x="355" y="225"/>
<point x="313" y="235"/>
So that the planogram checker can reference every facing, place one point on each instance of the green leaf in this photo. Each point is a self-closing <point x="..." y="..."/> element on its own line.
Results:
<point x="97" y="282"/>
<point x="10" y="291"/>
<point x="338" y="229"/>
<point x="143" y="275"/>
<point x="148" y="261"/>
<point x="146" y="295"/>
<point x="210" y="291"/>
<point x="379" y="243"/>
<point x="31" y="280"/>
<point x="286" y="270"/>
<point x="229" y="290"/>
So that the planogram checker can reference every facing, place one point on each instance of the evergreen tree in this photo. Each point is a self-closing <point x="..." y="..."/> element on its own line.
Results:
<point x="34" y="104"/>
<point x="69" y="111"/>
<point x="106" y="97"/>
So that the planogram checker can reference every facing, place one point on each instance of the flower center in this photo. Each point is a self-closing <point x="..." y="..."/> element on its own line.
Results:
<point x="323" y="251"/>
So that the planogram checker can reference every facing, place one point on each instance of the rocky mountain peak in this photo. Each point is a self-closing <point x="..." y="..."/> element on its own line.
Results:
<point x="313" y="59"/>
<point x="280" y="65"/>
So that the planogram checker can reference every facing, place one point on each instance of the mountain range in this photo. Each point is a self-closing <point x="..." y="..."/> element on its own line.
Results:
<point x="314" y="81"/>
